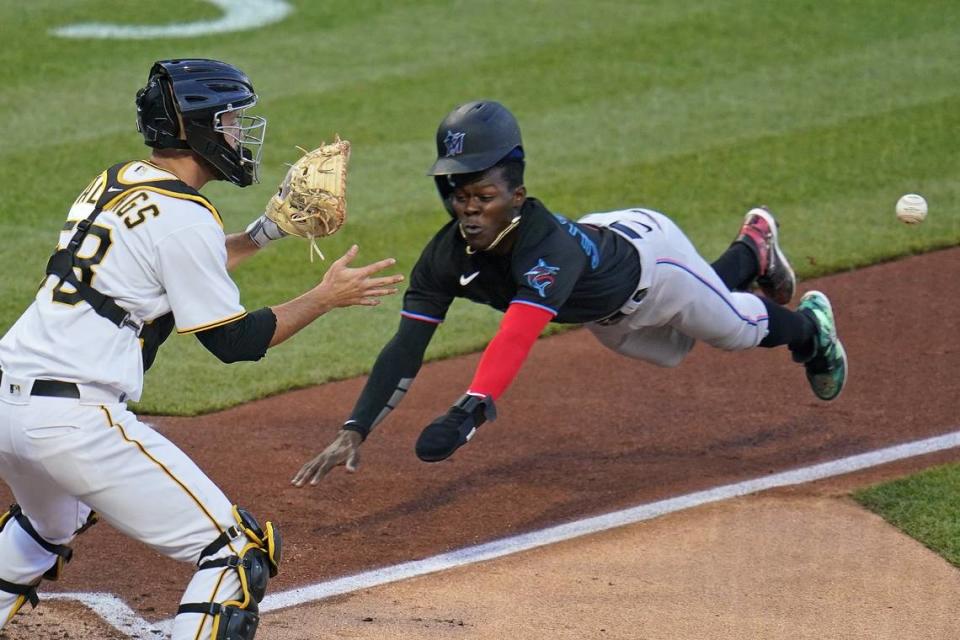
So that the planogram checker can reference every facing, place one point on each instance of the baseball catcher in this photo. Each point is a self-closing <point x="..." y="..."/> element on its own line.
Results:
<point x="143" y="253"/>
<point x="631" y="276"/>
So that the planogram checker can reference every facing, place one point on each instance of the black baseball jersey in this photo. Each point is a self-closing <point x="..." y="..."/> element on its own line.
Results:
<point x="578" y="272"/>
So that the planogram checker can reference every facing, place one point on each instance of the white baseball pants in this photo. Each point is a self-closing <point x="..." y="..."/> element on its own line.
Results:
<point x="685" y="299"/>
<point x="62" y="458"/>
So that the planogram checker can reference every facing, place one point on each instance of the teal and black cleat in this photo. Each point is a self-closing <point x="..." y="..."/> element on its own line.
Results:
<point x="827" y="369"/>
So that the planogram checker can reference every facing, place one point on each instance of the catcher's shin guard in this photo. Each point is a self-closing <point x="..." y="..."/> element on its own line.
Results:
<point x="59" y="553"/>
<point x="255" y="563"/>
<point x="23" y="593"/>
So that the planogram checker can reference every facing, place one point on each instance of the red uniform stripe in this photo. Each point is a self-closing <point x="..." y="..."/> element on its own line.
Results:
<point x="505" y="354"/>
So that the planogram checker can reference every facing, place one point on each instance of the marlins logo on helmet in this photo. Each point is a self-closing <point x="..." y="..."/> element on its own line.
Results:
<point x="454" y="143"/>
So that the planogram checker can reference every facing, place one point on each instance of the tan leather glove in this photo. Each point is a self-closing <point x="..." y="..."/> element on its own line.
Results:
<point x="312" y="199"/>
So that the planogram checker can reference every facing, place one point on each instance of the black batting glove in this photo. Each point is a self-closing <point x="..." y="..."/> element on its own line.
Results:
<point x="454" y="429"/>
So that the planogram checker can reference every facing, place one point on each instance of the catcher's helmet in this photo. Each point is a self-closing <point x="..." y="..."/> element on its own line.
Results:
<point x="474" y="137"/>
<point x="183" y="107"/>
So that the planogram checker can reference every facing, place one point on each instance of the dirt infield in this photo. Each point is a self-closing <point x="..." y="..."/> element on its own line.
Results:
<point x="757" y="567"/>
<point x="582" y="432"/>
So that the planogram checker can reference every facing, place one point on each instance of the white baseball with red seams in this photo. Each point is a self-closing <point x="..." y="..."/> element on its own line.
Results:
<point x="912" y="208"/>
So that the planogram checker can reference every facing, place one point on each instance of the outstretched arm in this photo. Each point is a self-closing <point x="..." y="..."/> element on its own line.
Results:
<point x="392" y="374"/>
<point x="249" y="337"/>
<point x="506" y="353"/>
<point x="342" y="286"/>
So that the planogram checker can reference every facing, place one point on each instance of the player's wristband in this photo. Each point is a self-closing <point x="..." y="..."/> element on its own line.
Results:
<point x="263" y="230"/>
<point x="479" y="405"/>
<point x="353" y="425"/>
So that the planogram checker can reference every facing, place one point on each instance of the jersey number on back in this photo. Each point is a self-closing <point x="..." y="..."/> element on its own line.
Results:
<point x="86" y="264"/>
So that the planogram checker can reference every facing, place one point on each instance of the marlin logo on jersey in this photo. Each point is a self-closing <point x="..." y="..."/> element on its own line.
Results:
<point x="542" y="276"/>
<point x="454" y="142"/>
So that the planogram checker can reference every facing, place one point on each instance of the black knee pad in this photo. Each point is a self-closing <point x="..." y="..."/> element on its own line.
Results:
<point x="255" y="569"/>
<point x="259" y="560"/>
<point x="255" y="564"/>
<point x="267" y="539"/>
<point x="237" y="624"/>
<point x="230" y="621"/>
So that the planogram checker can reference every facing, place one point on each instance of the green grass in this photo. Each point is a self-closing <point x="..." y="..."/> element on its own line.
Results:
<point x="925" y="506"/>
<point x="827" y="112"/>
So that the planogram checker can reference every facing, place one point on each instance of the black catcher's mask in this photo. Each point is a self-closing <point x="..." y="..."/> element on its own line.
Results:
<point x="201" y="105"/>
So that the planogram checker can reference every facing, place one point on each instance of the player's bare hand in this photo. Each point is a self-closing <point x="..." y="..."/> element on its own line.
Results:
<point x="345" y="286"/>
<point x="345" y="450"/>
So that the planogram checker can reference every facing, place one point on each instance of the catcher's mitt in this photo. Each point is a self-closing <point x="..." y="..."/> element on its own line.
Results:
<point x="312" y="200"/>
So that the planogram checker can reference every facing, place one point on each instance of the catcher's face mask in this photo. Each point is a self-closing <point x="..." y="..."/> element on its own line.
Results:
<point x="200" y="104"/>
<point x="244" y="134"/>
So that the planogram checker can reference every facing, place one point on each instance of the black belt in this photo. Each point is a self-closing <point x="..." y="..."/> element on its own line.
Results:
<point x="52" y="388"/>
<point x="618" y="315"/>
<point x="613" y="318"/>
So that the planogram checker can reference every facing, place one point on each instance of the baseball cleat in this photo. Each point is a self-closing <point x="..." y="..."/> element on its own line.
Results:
<point x="775" y="277"/>
<point x="827" y="369"/>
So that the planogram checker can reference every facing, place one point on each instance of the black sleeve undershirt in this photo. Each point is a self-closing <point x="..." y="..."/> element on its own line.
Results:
<point x="400" y="358"/>
<point x="245" y="338"/>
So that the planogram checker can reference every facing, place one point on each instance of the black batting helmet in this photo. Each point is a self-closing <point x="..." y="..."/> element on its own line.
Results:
<point x="474" y="137"/>
<point x="183" y="105"/>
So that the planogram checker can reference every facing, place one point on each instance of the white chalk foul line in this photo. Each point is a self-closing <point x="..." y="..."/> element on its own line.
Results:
<point x="238" y="15"/>
<point x="122" y="618"/>
<point x="117" y="614"/>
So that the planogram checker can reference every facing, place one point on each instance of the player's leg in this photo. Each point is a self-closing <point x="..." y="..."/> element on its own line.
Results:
<point x="148" y="489"/>
<point x="685" y="293"/>
<point x="809" y="332"/>
<point x="163" y="499"/>
<point x="34" y="532"/>
<point x="737" y="266"/>
<point x="684" y="298"/>
<point x="755" y="255"/>
<point x="699" y="307"/>
<point x="663" y="346"/>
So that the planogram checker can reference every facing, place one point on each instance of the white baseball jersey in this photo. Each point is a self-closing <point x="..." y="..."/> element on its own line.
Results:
<point x="153" y="251"/>
<point x="157" y="247"/>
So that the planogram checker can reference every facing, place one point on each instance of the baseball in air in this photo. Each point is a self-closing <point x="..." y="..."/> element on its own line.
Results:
<point x="911" y="209"/>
